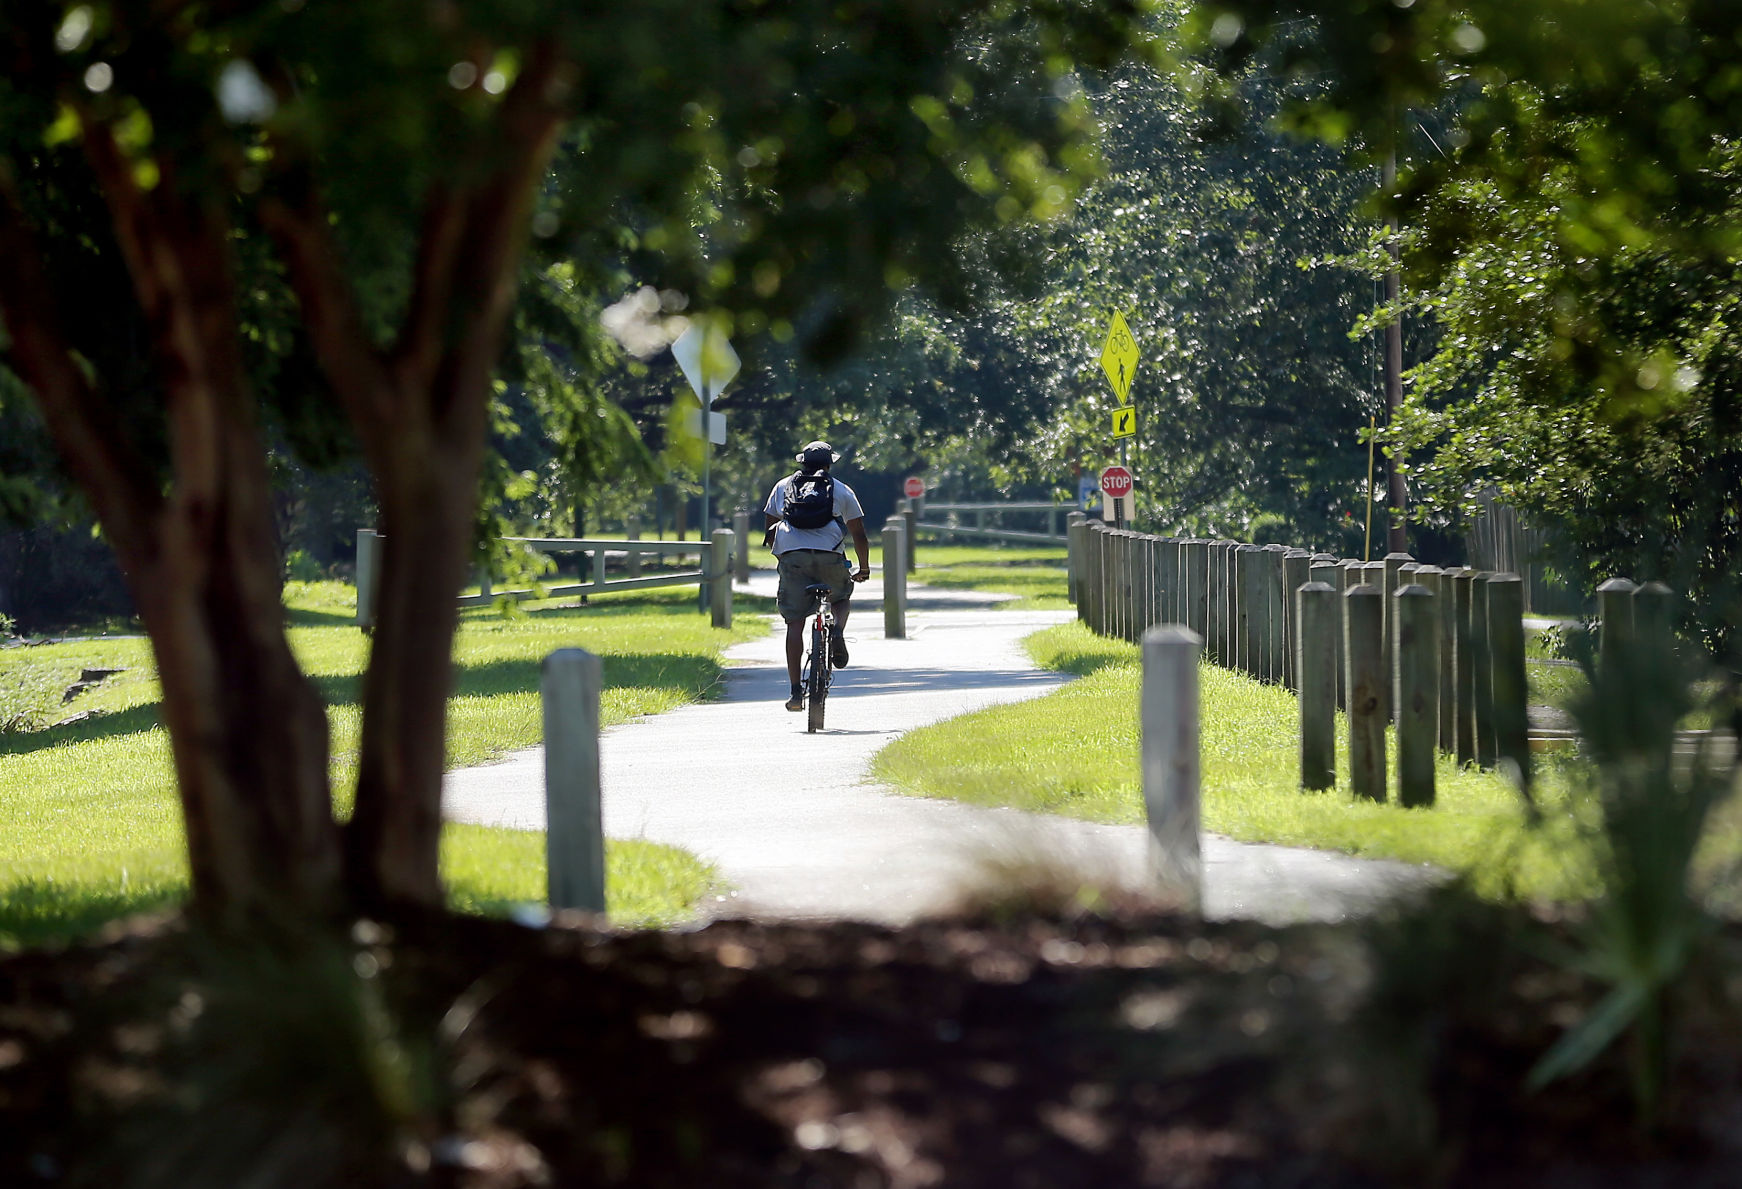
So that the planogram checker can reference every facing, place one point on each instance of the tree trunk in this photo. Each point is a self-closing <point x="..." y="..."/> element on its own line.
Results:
<point x="421" y="413"/>
<point x="392" y="840"/>
<point x="248" y="732"/>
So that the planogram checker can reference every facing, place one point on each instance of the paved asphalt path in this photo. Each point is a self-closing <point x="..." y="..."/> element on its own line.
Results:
<point x="798" y="829"/>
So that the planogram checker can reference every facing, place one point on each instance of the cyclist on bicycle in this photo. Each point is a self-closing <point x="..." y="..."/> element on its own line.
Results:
<point x="810" y="515"/>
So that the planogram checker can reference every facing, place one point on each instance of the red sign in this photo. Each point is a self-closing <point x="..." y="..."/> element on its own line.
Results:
<point x="913" y="487"/>
<point x="1116" y="482"/>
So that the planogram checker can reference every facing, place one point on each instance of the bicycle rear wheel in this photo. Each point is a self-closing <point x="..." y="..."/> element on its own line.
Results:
<point x="817" y="679"/>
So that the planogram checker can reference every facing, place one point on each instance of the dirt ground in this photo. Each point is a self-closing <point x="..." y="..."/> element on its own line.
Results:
<point x="1007" y="1051"/>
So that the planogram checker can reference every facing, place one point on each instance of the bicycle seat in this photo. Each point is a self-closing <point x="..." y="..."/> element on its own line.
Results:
<point x="818" y="588"/>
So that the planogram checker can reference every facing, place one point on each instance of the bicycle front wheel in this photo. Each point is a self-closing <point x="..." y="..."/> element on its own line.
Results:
<point x="817" y="692"/>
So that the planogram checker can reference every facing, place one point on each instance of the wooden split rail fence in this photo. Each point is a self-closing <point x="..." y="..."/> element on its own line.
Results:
<point x="1437" y="652"/>
<point x="713" y="575"/>
<point x="971" y="520"/>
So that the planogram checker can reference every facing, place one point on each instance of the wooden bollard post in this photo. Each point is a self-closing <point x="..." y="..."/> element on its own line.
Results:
<point x="1324" y="568"/>
<point x="895" y="579"/>
<point x="1615" y="612"/>
<point x="1448" y="617"/>
<point x="1074" y="531"/>
<point x="1654" y="617"/>
<point x="1350" y="573"/>
<point x="1373" y="574"/>
<point x="574" y="835"/>
<point x="368" y="571"/>
<point x="1100" y="575"/>
<point x="1194" y="566"/>
<point x="1169" y="718"/>
<point x="1432" y="577"/>
<point x="1164" y="556"/>
<point x="1363" y="620"/>
<point x="1249" y="609"/>
<point x="1295" y="566"/>
<point x="1109" y="603"/>
<point x="1415" y="693"/>
<point x="1086" y="574"/>
<point x="1160" y="590"/>
<point x="1114" y="587"/>
<point x="741" y="554"/>
<point x="1179" y="601"/>
<point x="1216" y="602"/>
<point x="1143" y="585"/>
<point x="1091" y="576"/>
<point x="1136" y="586"/>
<point x="1156" y="589"/>
<point x="1168" y="600"/>
<point x="1120" y="539"/>
<point x="1392" y="568"/>
<point x="1228" y="567"/>
<point x="1511" y="693"/>
<point x="1464" y="656"/>
<point x="1315" y="662"/>
<point x="1276" y="601"/>
<point x="1482" y="670"/>
<point x="1406" y="574"/>
<point x="1117" y="542"/>
<point x="720" y="544"/>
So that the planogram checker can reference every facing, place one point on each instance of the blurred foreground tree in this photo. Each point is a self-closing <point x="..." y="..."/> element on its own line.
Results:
<point x="354" y="187"/>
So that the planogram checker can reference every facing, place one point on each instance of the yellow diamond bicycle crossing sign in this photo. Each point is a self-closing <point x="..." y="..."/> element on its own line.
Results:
<point x="1119" y="358"/>
<point x="1125" y="422"/>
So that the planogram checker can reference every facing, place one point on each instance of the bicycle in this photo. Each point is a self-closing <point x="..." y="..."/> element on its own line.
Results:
<point x="818" y="669"/>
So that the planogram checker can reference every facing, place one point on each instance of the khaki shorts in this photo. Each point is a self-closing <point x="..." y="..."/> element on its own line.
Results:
<point x="800" y="568"/>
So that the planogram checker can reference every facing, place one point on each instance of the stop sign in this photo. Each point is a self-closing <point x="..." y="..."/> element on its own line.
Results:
<point x="913" y="487"/>
<point x="1116" y="482"/>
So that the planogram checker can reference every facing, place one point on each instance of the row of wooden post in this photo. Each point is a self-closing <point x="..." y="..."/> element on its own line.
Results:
<point x="1437" y="652"/>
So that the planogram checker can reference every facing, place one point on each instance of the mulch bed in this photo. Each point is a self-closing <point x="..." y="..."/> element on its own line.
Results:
<point x="1002" y="1052"/>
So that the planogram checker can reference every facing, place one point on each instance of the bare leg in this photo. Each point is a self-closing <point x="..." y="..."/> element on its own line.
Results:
<point x="841" y="609"/>
<point x="794" y="649"/>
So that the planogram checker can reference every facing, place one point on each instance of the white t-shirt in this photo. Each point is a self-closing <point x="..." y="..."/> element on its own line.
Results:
<point x="830" y="536"/>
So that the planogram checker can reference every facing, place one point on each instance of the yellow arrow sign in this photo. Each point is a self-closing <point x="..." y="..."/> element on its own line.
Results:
<point x="1125" y="422"/>
<point x="1119" y="358"/>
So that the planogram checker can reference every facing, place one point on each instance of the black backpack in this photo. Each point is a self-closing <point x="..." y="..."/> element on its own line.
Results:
<point x="811" y="501"/>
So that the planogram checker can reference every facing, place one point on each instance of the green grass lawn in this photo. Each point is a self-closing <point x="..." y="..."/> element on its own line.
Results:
<point x="1037" y="576"/>
<point x="1075" y="752"/>
<point x="88" y="813"/>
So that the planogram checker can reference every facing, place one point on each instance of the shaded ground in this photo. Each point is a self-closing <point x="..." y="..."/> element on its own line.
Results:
<point x="996" y="1053"/>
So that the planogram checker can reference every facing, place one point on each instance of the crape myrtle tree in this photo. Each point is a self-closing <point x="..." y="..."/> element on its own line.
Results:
<point x="1576" y="237"/>
<point x="356" y="186"/>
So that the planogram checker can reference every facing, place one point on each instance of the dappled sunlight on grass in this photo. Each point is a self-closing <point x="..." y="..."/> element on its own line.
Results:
<point x="1037" y="576"/>
<point x="88" y="810"/>
<point x="490" y="872"/>
<point x="1075" y="752"/>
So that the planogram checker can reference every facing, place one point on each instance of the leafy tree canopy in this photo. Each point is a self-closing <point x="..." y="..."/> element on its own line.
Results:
<point x="321" y="213"/>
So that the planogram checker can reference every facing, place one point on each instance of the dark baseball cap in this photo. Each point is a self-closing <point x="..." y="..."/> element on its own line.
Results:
<point x="818" y="454"/>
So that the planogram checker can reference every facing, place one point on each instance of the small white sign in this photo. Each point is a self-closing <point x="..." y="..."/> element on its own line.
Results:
<point x="692" y="425"/>
<point x="707" y="359"/>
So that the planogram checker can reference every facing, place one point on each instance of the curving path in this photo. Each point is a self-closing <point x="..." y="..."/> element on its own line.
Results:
<point x="796" y="826"/>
